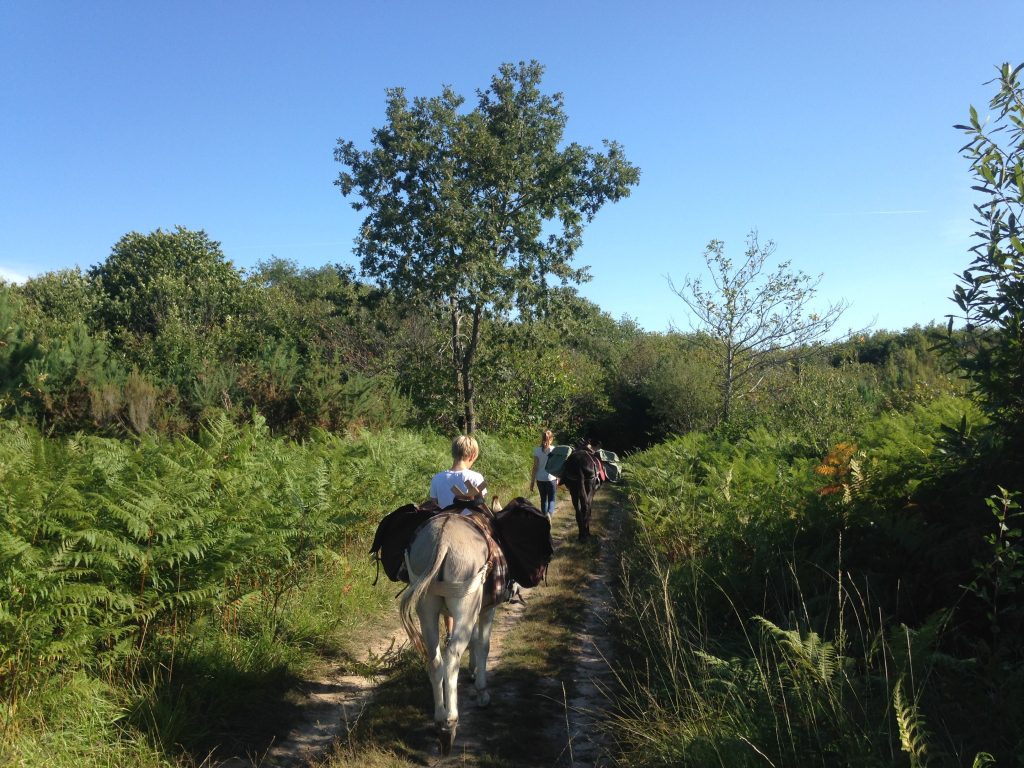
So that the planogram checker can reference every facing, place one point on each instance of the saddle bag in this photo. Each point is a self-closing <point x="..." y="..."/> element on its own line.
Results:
<point x="394" y="533"/>
<point x="556" y="459"/>
<point x="611" y="464"/>
<point x="525" y="536"/>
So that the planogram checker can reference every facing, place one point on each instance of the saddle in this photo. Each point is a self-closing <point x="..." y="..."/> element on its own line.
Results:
<point x="497" y="584"/>
<point x="518" y="543"/>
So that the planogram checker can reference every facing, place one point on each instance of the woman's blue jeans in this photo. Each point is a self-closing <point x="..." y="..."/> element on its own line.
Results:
<point x="547" y="496"/>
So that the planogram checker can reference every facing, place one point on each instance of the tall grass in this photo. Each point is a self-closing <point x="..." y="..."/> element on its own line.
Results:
<point x="742" y="690"/>
<point x="177" y="582"/>
<point x="793" y="610"/>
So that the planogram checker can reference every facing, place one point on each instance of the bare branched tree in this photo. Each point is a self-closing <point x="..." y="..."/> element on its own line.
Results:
<point x="754" y="320"/>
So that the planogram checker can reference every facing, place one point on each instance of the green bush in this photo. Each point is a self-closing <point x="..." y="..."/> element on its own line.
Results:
<point x="776" y="581"/>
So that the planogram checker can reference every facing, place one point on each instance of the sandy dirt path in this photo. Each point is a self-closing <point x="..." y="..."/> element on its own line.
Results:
<point x="593" y="653"/>
<point x="568" y="706"/>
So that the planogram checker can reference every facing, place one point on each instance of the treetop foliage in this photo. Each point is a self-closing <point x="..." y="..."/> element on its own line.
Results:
<point x="990" y="294"/>
<point x="148" y="280"/>
<point x="460" y="204"/>
<point x="469" y="213"/>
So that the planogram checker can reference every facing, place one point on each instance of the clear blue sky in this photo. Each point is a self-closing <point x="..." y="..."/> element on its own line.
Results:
<point x="825" y="125"/>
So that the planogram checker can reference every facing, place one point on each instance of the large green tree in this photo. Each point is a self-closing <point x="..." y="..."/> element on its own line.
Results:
<point x="473" y="211"/>
<point x="990" y="295"/>
<point x="168" y="299"/>
<point x="148" y="280"/>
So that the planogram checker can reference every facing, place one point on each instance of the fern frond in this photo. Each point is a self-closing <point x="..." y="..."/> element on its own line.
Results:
<point x="805" y="652"/>
<point x="913" y="736"/>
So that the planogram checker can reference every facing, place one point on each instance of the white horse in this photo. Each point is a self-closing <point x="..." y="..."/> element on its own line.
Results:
<point x="448" y="564"/>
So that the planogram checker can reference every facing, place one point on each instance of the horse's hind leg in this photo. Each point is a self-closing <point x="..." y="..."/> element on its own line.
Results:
<point x="428" y="611"/>
<point x="587" y="506"/>
<point x="579" y="505"/>
<point x="474" y="638"/>
<point x="480" y="649"/>
<point x="464" y="610"/>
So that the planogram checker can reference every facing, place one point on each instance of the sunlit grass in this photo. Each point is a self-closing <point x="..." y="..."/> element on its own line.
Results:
<point x="756" y="630"/>
<point x="215" y="672"/>
<point x="74" y="722"/>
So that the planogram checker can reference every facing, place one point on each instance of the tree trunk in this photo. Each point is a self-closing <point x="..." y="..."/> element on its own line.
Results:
<point x="469" y="414"/>
<point x="463" y="357"/>
<point x="727" y="385"/>
<point x="468" y="389"/>
<point x="457" y="363"/>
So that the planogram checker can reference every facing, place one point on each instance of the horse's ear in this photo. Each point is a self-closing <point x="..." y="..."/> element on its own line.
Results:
<point x="495" y="505"/>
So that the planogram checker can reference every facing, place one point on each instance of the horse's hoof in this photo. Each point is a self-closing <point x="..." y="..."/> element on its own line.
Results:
<point x="483" y="698"/>
<point x="446" y="736"/>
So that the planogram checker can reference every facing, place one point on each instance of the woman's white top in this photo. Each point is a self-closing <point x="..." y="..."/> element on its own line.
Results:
<point x="541" y="455"/>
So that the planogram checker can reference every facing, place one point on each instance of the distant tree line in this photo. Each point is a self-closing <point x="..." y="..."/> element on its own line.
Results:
<point x="464" y="314"/>
<point x="166" y="332"/>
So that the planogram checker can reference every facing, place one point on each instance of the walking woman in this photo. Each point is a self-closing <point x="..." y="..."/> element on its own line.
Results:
<point x="545" y="483"/>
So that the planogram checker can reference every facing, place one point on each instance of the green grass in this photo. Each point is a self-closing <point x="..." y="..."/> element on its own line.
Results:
<point x="770" y="623"/>
<point x="75" y="720"/>
<point x="186" y="585"/>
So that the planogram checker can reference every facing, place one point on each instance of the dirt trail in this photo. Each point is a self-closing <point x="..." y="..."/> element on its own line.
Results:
<point x="593" y="653"/>
<point x="563" y="709"/>
<point x="329" y="709"/>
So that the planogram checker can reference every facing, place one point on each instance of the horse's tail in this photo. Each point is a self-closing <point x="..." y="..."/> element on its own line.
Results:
<point x="418" y="586"/>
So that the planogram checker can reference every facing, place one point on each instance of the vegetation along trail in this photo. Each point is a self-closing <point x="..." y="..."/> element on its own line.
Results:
<point x="548" y="668"/>
<point x="823" y="561"/>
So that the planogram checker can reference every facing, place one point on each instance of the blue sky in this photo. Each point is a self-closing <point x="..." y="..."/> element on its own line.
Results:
<point x="826" y="126"/>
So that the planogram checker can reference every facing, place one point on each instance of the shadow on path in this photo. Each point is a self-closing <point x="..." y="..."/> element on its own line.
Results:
<point x="548" y="670"/>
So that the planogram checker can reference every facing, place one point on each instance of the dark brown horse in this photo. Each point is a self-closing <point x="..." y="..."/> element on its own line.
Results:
<point x="581" y="475"/>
